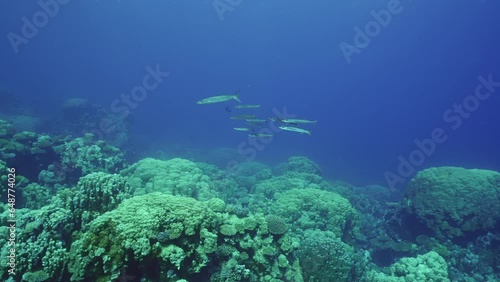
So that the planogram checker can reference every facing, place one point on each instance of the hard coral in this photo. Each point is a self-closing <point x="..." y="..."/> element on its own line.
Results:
<point x="176" y="177"/>
<point x="453" y="201"/>
<point x="317" y="209"/>
<point x="97" y="193"/>
<point x="323" y="257"/>
<point x="429" y="267"/>
<point x="276" y="225"/>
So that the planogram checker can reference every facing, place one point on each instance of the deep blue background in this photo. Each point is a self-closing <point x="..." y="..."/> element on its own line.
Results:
<point x="277" y="53"/>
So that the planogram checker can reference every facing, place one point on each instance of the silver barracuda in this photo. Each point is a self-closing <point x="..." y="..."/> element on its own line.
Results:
<point x="242" y="129"/>
<point x="218" y="99"/>
<point x="297" y="121"/>
<point x="295" y="129"/>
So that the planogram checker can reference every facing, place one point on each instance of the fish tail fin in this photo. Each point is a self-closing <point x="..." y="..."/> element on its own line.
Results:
<point x="236" y="98"/>
<point x="309" y="132"/>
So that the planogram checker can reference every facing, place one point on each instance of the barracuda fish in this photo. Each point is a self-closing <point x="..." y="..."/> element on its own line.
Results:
<point x="297" y="121"/>
<point x="218" y="99"/>
<point x="243" y="129"/>
<point x="295" y="129"/>
<point x="243" y="117"/>
<point x="260" y="135"/>
<point x="246" y="106"/>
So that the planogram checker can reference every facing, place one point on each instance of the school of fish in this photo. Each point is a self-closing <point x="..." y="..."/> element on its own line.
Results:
<point x="253" y="122"/>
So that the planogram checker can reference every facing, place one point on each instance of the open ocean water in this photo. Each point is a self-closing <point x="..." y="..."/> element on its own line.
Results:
<point x="237" y="140"/>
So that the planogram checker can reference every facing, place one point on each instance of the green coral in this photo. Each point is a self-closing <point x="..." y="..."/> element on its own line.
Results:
<point x="37" y="276"/>
<point x="25" y="136"/>
<point x="6" y="129"/>
<point x="176" y="177"/>
<point x="35" y="196"/>
<point x="217" y="205"/>
<point x="278" y="184"/>
<point x="96" y="193"/>
<point x="228" y="230"/>
<point x="276" y="225"/>
<point x="302" y="164"/>
<point x="90" y="155"/>
<point x="43" y="141"/>
<point x="136" y="232"/>
<point x="3" y="171"/>
<point x="129" y="233"/>
<point x="323" y="257"/>
<point x="42" y="241"/>
<point x="453" y="201"/>
<point x="317" y="209"/>
<point x="429" y="267"/>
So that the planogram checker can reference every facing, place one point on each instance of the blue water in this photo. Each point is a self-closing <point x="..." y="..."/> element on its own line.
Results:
<point x="277" y="54"/>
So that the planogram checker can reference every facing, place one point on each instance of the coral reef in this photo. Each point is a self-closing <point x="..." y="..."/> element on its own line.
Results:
<point x="57" y="162"/>
<point x="86" y="154"/>
<point x="302" y="164"/>
<point x="429" y="267"/>
<point x="317" y="209"/>
<point x="276" y="225"/>
<point x="175" y="176"/>
<point x="83" y="214"/>
<point x="324" y="257"/>
<point x="42" y="240"/>
<point x="179" y="237"/>
<point x="454" y="201"/>
<point x="95" y="194"/>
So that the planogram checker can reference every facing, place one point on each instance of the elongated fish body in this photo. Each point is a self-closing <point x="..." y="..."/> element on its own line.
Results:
<point x="295" y="129"/>
<point x="218" y="99"/>
<point x="246" y="106"/>
<point x="297" y="121"/>
<point x="242" y="129"/>
<point x="243" y="117"/>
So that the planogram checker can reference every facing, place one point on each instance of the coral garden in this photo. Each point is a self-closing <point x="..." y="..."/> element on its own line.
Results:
<point x="83" y="213"/>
